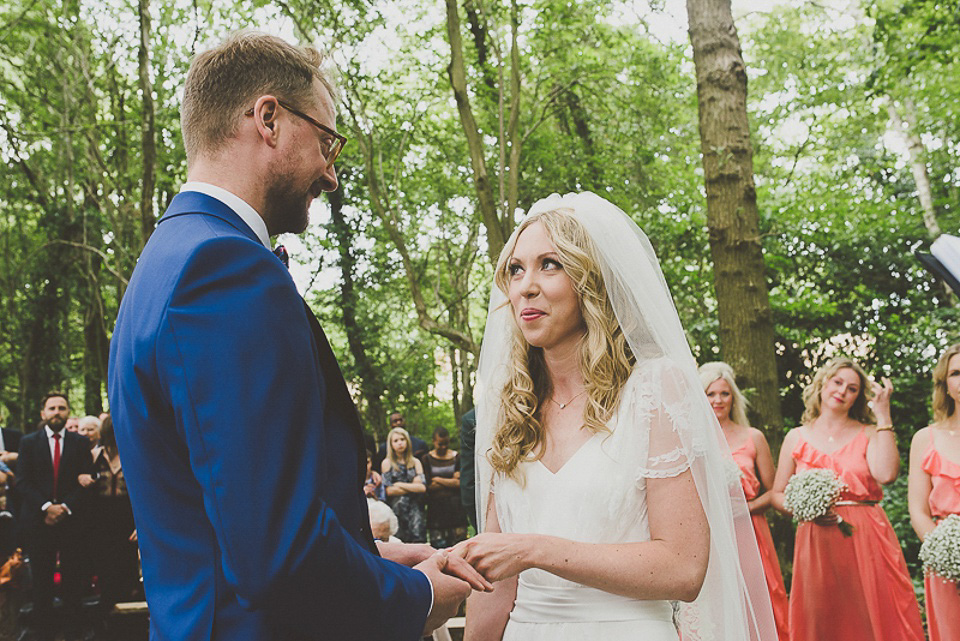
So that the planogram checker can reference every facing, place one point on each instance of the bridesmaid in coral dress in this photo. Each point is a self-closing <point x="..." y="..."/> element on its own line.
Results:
<point x="752" y="454"/>
<point x="935" y="488"/>
<point x="857" y="587"/>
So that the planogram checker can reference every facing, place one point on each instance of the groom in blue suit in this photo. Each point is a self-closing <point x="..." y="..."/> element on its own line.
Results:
<point x="241" y="447"/>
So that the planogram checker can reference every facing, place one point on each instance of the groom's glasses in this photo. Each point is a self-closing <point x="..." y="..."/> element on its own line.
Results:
<point x="331" y="142"/>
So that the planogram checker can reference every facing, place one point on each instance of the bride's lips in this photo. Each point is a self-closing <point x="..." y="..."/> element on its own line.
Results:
<point x="532" y="314"/>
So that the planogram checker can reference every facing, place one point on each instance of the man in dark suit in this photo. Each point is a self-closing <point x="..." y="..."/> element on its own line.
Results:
<point x="244" y="538"/>
<point x="9" y="445"/>
<point x="50" y="461"/>
<point x="9" y="452"/>
<point x="468" y="479"/>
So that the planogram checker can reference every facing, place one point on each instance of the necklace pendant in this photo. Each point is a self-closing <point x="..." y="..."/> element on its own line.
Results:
<point x="562" y="405"/>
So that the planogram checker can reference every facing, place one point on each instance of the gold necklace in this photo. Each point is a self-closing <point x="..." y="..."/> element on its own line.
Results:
<point x="563" y="405"/>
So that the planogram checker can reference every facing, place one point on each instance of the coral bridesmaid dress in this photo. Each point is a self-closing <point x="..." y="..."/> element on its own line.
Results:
<point x="943" y="597"/>
<point x="854" y="588"/>
<point x="746" y="458"/>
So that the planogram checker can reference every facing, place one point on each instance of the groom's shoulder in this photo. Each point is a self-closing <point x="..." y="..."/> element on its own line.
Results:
<point x="186" y="236"/>
<point x="188" y="250"/>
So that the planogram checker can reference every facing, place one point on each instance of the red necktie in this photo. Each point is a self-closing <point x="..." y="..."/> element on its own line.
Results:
<point x="56" y="462"/>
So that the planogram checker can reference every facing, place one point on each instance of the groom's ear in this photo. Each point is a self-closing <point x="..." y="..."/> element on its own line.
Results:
<point x="265" y="114"/>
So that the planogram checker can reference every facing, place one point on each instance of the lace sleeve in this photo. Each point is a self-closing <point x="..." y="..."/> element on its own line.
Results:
<point x="667" y="411"/>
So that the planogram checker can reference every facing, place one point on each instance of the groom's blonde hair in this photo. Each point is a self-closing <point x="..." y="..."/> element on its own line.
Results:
<point x="606" y="359"/>
<point x="225" y="80"/>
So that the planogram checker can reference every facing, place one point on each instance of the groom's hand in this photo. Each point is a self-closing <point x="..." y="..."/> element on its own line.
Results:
<point x="410" y="554"/>
<point x="448" y="591"/>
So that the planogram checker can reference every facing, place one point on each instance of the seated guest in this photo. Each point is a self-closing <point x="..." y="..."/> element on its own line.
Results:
<point x="373" y="484"/>
<point x="89" y="427"/>
<point x="8" y="527"/>
<point x="9" y="445"/>
<point x="9" y="504"/>
<point x="383" y="522"/>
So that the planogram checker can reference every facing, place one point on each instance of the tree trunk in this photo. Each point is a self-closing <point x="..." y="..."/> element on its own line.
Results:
<point x="907" y="126"/>
<point x="147" y="128"/>
<point x="594" y="178"/>
<point x="96" y="347"/>
<point x="496" y="238"/>
<point x="746" y="323"/>
<point x="381" y="207"/>
<point x="513" y="127"/>
<point x="372" y="386"/>
<point x="453" y="353"/>
<point x="918" y="166"/>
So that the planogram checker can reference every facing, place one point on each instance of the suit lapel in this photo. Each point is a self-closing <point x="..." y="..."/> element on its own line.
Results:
<point x="337" y="391"/>
<point x="45" y="452"/>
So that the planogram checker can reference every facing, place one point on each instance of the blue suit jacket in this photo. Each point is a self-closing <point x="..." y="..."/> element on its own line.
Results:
<point x="242" y="450"/>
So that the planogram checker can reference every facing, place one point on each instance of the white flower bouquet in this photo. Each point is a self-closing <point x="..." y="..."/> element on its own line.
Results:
<point x="812" y="493"/>
<point x="732" y="472"/>
<point x="940" y="551"/>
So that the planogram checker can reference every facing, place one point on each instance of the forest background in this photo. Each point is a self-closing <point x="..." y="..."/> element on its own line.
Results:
<point x="460" y="115"/>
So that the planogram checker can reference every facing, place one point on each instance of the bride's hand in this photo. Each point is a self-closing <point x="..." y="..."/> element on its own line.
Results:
<point x="498" y="556"/>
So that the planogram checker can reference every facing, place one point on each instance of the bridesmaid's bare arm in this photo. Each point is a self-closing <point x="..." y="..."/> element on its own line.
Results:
<point x="883" y="458"/>
<point x="920" y="485"/>
<point x="766" y="471"/>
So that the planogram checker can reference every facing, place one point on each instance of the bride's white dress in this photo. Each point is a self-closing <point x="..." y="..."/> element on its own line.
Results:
<point x="598" y="496"/>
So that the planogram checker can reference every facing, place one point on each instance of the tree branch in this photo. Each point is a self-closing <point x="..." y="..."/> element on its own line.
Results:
<point x="85" y="247"/>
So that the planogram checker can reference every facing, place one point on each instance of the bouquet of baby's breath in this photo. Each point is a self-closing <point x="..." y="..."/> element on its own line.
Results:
<point x="940" y="551"/>
<point x="732" y="472"/>
<point x="810" y="494"/>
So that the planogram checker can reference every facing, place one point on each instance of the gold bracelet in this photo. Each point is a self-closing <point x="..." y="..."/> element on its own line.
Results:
<point x="885" y="428"/>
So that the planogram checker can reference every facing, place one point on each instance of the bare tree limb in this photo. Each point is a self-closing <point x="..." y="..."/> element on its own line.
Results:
<point x="85" y="247"/>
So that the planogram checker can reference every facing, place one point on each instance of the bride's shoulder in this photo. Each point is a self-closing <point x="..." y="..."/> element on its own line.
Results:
<point x="655" y="371"/>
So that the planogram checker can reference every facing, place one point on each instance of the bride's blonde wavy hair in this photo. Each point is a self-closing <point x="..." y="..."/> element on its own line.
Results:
<point x="606" y="359"/>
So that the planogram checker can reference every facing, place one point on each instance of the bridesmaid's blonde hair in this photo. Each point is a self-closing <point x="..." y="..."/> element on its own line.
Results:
<point x="713" y="372"/>
<point x="943" y="404"/>
<point x="859" y="411"/>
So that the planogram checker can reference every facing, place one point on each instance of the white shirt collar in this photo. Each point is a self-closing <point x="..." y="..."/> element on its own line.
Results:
<point x="50" y="432"/>
<point x="240" y="207"/>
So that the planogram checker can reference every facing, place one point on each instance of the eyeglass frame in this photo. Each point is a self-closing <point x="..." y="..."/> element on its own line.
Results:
<point x="313" y="121"/>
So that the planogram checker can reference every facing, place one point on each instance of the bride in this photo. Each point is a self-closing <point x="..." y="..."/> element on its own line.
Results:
<point x="608" y="508"/>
